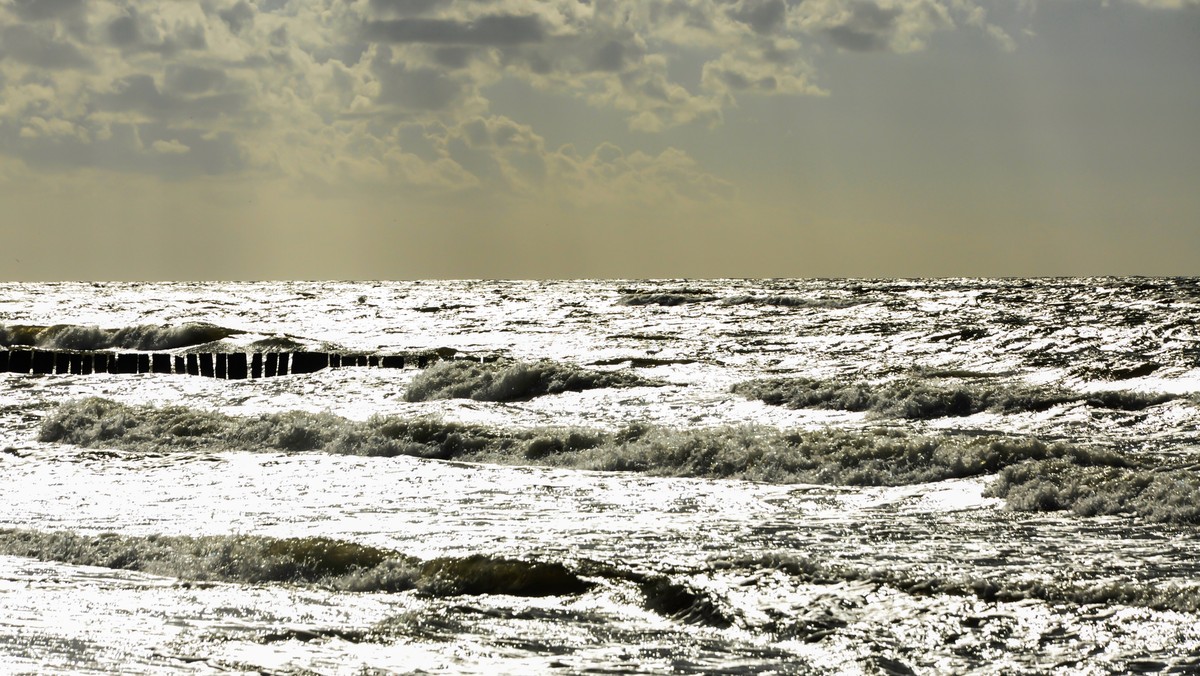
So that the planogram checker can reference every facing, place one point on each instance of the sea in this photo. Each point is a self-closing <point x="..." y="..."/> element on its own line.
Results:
<point x="787" y="476"/>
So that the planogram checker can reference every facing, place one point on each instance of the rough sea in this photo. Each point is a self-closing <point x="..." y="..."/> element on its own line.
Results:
<point x="988" y="476"/>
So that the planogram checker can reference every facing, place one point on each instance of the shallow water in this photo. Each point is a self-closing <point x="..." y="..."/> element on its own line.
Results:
<point x="691" y="569"/>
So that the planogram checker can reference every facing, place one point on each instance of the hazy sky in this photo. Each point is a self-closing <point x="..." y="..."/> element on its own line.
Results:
<point x="396" y="139"/>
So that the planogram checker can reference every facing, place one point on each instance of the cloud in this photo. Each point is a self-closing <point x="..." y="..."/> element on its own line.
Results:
<point x="399" y="91"/>
<point x="237" y="17"/>
<point x="867" y="28"/>
<point x="40" y="10"/>
<point x="763" y="16"/>
<point x="492" y="30"/>
<point x="36" y="46"/>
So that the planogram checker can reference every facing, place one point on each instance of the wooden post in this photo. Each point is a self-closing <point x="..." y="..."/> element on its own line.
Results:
<point x="20" y="361"/>
<point x="4" y="360"/>
<point x="143" y="363"/>
<point x="100" y="362"/>
<point x="193" y="366"/>
<point x="335" y="360"/>
<point x="206" y="364"/>
<point x="76" y="366"/>
<point x="85" y="364"/>
<point x="127" y="363"/>
<point x="43" y="362"/>
<point x="309" y="362"/>
<point x="221" y="361"/>
<point x="62" y="362"/>
<point x="180" y="365"/>
<point x="237" y="366"/>
<point x="112" y="363"/>
<point x="162" y="363"/>
<point x="272" y="364"/>
<point x="283" y="364"/>
<point x="392" y="361"/>
<point x="373" y="360"/>
<point x="256" y="365"/>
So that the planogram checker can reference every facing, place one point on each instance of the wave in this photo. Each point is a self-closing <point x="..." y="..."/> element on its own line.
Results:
<point x="1179" y="598"/>
<point x="666" y="298"/>
<point x="794" y="301"/>
<point x="146" y="337"/>
<point x="826" y="456"/>
<point x="1159" y="494"/>
<point x="351" y="567"/>
<point x="336" y="564"/>
<point x="498" y="381"/>
<point x="923" y="399"/>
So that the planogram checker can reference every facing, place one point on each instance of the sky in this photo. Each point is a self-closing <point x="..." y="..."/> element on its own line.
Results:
<point x="409" y="139"/>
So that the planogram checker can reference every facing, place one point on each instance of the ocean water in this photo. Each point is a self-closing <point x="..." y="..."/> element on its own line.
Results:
<point x="675" y="476"/>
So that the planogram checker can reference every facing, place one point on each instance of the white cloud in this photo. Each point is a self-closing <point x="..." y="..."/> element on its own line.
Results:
<point x="171" y="147"/>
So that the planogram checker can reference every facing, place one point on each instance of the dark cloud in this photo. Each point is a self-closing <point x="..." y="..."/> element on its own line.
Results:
<point x="123" y="31"/>
<point x="279" y="37"/>
<point x="496" y="30"/>
<point x="402" y="7"/>
<point x="36" y="49"/>
<point x="127" y="33"/>
<point x="868" y="29"/>
<point x="763" y="16"/>
<point x="38" y="10"/>
<point x="184" y="79"/>
<point x="677" y="10"/>
<point x="610" y="57"/>
<point x="741" y="82"/>
<point x="453" y="57"/>
<point x="416" y="88"/>
<point x="139" y="94"/>
<point x="238" y="16"/>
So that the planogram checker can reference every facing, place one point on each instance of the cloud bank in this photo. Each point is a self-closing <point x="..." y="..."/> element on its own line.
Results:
<point x="397" y="92"/>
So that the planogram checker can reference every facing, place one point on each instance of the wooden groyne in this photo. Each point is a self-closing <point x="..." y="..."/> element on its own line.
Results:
<point x="222" y="365"/>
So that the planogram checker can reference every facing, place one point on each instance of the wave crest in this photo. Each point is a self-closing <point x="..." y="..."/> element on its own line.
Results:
<point x="338" y="564"/>
<point x="145" y="337"/>
<point x="826" y="456"/>
<point x="923" y="399"/>
<point x="511" y="382"/>
<point x="1164" y="495"/>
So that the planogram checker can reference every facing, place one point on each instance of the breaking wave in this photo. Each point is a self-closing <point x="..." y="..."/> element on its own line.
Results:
<point x="793" y="301"/>
<point x="510" y="382"/>
<point x="336" y="564"/>
<point x="923" y="399"/>
<point x="147" y="337"/>
<point x="1160" y="494"/>
<point x="827" y="456"/>
<point x="987" y="588"/>
<point x="668" y="298"/>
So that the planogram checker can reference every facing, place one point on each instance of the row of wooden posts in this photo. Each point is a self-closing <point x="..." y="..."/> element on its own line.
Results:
<point x="224" y="365"/>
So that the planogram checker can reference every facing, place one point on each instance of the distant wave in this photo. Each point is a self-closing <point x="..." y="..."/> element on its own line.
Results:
<point x="827" y="456"/>
<point x="794" y="301"/>
<point x="336" y="564"/>
<point x="147" y="337"/>
<point x="1160" y="494"/>
<point x="668" y="297"/>
<point x="924" y="399"/>
<point x="1184" y="599"/>
<point x="499" y="381"/>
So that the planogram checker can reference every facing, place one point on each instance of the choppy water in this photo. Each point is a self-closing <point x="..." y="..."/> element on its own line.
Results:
<point x="797" y="476"/>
